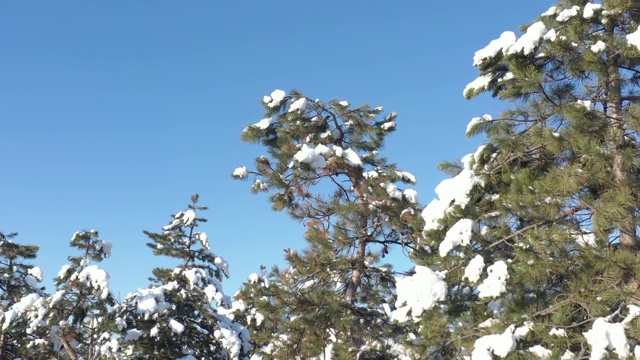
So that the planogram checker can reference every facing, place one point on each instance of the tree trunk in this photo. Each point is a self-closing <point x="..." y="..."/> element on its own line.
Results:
<point x="619" y="145"/>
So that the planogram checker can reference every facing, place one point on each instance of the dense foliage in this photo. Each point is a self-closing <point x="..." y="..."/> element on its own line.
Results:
<point x="530" y="249"/>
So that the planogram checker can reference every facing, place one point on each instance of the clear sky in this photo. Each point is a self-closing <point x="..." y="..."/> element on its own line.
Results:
<point x="112" y="113"/>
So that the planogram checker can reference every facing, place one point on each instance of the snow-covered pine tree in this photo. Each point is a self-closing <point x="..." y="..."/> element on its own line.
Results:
<point x="18" y="279"/>
<point x="537" y="231"/>
<point x="74" y="322"/>
<point x="324" y="168"/>
<point x="185" y="313"/>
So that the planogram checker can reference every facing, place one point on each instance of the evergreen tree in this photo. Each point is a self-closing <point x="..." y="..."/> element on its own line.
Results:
<point x="324" y="168"/>
<point x="17" y="280"/>
<point x="538" y="229"/>
<point x="77" y="319"/>
<point x="185" y="314"/>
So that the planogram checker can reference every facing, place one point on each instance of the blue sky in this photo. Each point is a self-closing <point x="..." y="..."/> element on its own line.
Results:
<point x="113" y="113"/>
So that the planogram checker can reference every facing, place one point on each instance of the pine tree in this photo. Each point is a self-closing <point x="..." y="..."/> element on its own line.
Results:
<point x="77" y="321"/>
<point x="185" y="314"/>
<point x="539" y="233"/>
<point x="18" y="279"/>
<point x="324" y="168"/>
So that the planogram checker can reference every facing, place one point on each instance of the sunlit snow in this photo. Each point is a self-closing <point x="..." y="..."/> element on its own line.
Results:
<point x="418" y="292"/>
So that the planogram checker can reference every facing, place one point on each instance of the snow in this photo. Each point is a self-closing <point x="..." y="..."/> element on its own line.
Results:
<point x="488" y="323"/>
<point x="151" y="301"/>
<point x="598" y="47"/>
<point x="418" y="292"/>
<point x="344" y="103"/>
<point x="589" y="10"/>
<point x="551" y="11"/>
<point x="480" y="82"/>
<point x="36" y="272"/>
<point x="558" y="332"/>
<point x="241" y="172"/>
<point x="567" y="14"/>
<point x="498" y="344"/>
<point x="450" y="192"/>
<point x="459" y="234"/>
<point x="132" y="335"/>
<point x="477" y="120"/>
<point x="540" y="351"/>
<point x="634" y="38"/>
<point x="528" y="42"/>
<point x="310" y="156"/>
<point x="16" y="310"/>
<point x="500" y="44"/>
<point x="495" y="283"/>
<point x="474" y="269"/>
<point x="411" y="195"/>
<point x="63" y="270"/>
<point x="407" y="176"/>
<point x="299" y="104"/>
<point x="392" y="190"/>
<point x="352" y="158"/>
<point x="388" y="125"/>
<point x="105" y="246"/>
<point x="275" y="99"/>
<point x="95" y="278"/>
<point x="604" y="336"/>
<point x="222" y="264"/>
<point x="263" y="124"/>
<point x="56" y="297"/>
<point x="551" y="35"/>
<point x="176" y="327"/>
<point x="188" y="217"/>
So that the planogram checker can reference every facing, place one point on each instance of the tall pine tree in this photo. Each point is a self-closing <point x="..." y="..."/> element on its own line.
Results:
<point x="539" y="235"/>
<point x="324" y="168"/>
<point x="185" y="314"/>
<point x="18" y="279"/>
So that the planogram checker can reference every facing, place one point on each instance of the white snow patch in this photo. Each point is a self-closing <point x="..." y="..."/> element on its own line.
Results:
<point x="589" y="10"/>
<point x="495" y="283"/>
<point x="459" y="234"/>
<point x="558" y="332"/>
<point x="176" y="327"/>
<point x="598" y="47"/>
<point x="474" y="269"/>
<point x="634" y="38"/>
<point x="551" y="35"/>
<point x="497" y="344"/>
<point x="567" y="14"/>
<point x="500" y="44"/>
<point x="411" y="195"/>
<point x="418" y="292"/>
<point x="36" y="272"/>
<point x="551" y="11"/>
<point x="451" y="192"/>
<point x="604" y="336"/>
<point x="352" y="158"/>
<point x="477" y="120"/>
<point x="263" y="124"/>
<point x="275" y="99"/>
<point x="311" y="156"/>
<point x="540" y="351"/>
<point x="480" y="82"/>
<point x="527" y="42"/>
<point x="132" y="335"/>
<point x="299" y="104"/>
<point x="241" y="172"/>
<point x="388" y="125"/>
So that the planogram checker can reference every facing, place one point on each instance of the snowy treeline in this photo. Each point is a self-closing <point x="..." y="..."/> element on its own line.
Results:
<point x="529" y="250"/>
